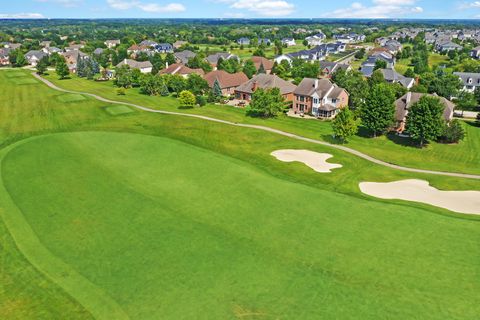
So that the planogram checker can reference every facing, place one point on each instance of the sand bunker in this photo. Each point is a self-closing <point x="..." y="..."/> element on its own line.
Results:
<point x="316" y="161"/>
<point x="421" y="191"/>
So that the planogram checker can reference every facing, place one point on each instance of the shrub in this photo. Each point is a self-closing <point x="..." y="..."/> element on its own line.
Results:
<point x="121" y="91"/>
<point x="201" y="101"/>
<point x="452" y="132"/>
<point x="186" y="98"/>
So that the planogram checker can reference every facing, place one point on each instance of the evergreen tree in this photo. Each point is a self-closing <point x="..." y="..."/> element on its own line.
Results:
<point x="164" y="90"/>
<point x="377" y="114"/>
<point x="424" y="119"/>
<point x="20" y="60"/>
<point x="217" y="90"/>
<point x="42" y="65"/>
<point x="344" y="125"/>
<point x="261" y="69"/>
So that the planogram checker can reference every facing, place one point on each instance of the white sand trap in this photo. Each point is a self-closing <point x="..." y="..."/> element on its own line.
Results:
<point x="421" y="191"/>
<point x="316" y="161"/>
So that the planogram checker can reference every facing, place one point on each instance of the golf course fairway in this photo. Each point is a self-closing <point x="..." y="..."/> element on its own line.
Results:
<point x="161" y="229"/>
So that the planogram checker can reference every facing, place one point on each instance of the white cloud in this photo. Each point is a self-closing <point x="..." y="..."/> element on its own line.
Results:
<point x="266" y="8"/>
<point x="468" y="5"/>
<point x="21" y="16"/>
<point x="379" y="9"/>
<point x="147" y="7"/>
<point x="65" y="3"/>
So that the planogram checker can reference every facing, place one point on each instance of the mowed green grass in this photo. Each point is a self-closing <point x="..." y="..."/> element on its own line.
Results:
<point x="420" y="238"/>
<point x="118" y="110"/>
<point x="462" y="157"/>
<point x="173" y="231"/>
<point x="71" y="97"/>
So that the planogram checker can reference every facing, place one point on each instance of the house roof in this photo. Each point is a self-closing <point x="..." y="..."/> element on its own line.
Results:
<point x="184" y="55"/>
<point x="135" y="64"/>
<point x="406" y="101"/>
<point x="180" y="69"/>
<point x="114" y="41"/>
<point x="467" y="76"/>
<point x="35" y="53"/>
<point x="393" y="76"/>
<point x="321" y="87"/>
<point x="225" y="79"/>
<point x="267" y="64"/>
<point x="266" y="81"/>
<point x="333" y="66"/>
<point x="213" y="58"/>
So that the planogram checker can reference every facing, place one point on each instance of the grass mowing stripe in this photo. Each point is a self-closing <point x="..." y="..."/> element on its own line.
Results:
<point x="94" y="299"/>
<point x="71" y="97"/>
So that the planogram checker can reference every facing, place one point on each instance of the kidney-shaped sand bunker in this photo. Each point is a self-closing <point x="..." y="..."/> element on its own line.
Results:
<point x="315" y="160"/>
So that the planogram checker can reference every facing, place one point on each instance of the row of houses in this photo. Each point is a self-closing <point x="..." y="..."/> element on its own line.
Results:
<point x="317" y="53"/>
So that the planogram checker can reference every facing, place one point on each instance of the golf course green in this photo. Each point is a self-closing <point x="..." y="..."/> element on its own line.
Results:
<point x="109" y="212"/>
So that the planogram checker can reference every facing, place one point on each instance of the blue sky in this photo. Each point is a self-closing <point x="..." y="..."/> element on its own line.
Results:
<point x="240" y="8"/>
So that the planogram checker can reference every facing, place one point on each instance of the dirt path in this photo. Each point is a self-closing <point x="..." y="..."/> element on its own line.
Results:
<point x="268" y="129"/>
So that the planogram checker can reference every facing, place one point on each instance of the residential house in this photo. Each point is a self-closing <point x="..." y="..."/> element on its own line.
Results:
<point x="45" y="44"/>
<point x="34" y="56"/>
<point x="393" y="46"/>
<point x="469" y="80"/>
<point x="243" y="41"/>
<point x="316" y="39"/>
<point x="264" y="41"/>
<point x="382" y="41"/>
<point x="143" y="66"/>
<point x="317" y="53"/>
<point x="475" y="53"/>
<point x="164" y="48"/>
<point x="288" y="42"/>
<point x="112" y="43"/>
<point x="135" y="50"/>
<point x="403" y="104"/>
<point x="148" y="43"/>
<point x="319" y="97"/>
<point x="74" y="47"/>
<point x="245" y="91"/>
<point x="328" y="68"/>
<point x="72" y="58"/>
<point x="447" y="46"/>
<point x="227" y="81"/>
<point x="213" y="58"/>
<point x="368" y="66"/>
<point x="12" y="46"/>
<point x="261" y="61"/>
<point x="182" y="70"/>
<point x="349" y="38"/>
<point x="184" y="56"/>
<point x="51" y="50"/>
<point x="178" y="44"/>
<point x="393" y="76"/>
<point x="4" y="56"/>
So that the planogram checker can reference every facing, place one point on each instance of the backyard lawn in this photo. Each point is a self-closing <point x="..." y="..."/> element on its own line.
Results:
<point x="462" y="157"/>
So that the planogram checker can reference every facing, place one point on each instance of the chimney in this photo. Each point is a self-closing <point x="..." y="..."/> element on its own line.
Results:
<point x="408" y="99"/>
<point x="315" y="85"/>
<point x="254" y="86"/>
<point x="166" y="64"/>
<point x="125" y="60"/>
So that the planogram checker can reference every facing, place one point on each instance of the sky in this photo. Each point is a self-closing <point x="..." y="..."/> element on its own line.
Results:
<point x="416" y="9"/>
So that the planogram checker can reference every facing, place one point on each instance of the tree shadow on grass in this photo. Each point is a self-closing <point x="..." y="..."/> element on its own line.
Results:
<point x="185" y="107"/>
<point x="402" y="140"/>
<point x="473" y="123"/>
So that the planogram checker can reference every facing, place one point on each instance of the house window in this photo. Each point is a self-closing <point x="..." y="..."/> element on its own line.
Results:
<point x="334" y="101"/>
<point x="470" y="80"/>
<point x="315" y="100"/>
<point x="301" y="98"/>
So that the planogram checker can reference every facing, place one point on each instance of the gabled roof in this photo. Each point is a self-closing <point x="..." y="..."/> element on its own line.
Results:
<point x="267" y="64"/>
<point x="393" y="76"/>
<point x="184" y="55"/>
<point x="180" y="69"/>
<point x="467" y="76"/>
<point x="213" y="58"/>
<point x="35" y="53"/>
<point x="225" y="79"/>
<point x="406" y="101"/>
<point x="309" y="86"/>
<point x="135" y="64"/>
<point x="266" y="81"/>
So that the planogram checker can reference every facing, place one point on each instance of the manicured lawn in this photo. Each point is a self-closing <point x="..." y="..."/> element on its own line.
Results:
<point x="170" y="231"/>
<point x="206" y="224"/>
<point x="118" y="110"/>
<point x="71" y="97"/>
<point x="463" y="157"/>
<point x="435" y="59"/>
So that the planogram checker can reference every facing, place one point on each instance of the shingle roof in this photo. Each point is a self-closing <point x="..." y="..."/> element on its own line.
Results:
<point x="266" y="81"/>
<point x="406" y="101"/>
<point x="310" y="86"/>
<point x="135" y="64"/>
<point x="184" y="55"/>
<point x="178" y="68"/>
<point x="267" y="64"/>
<point x="225" y="79"/>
